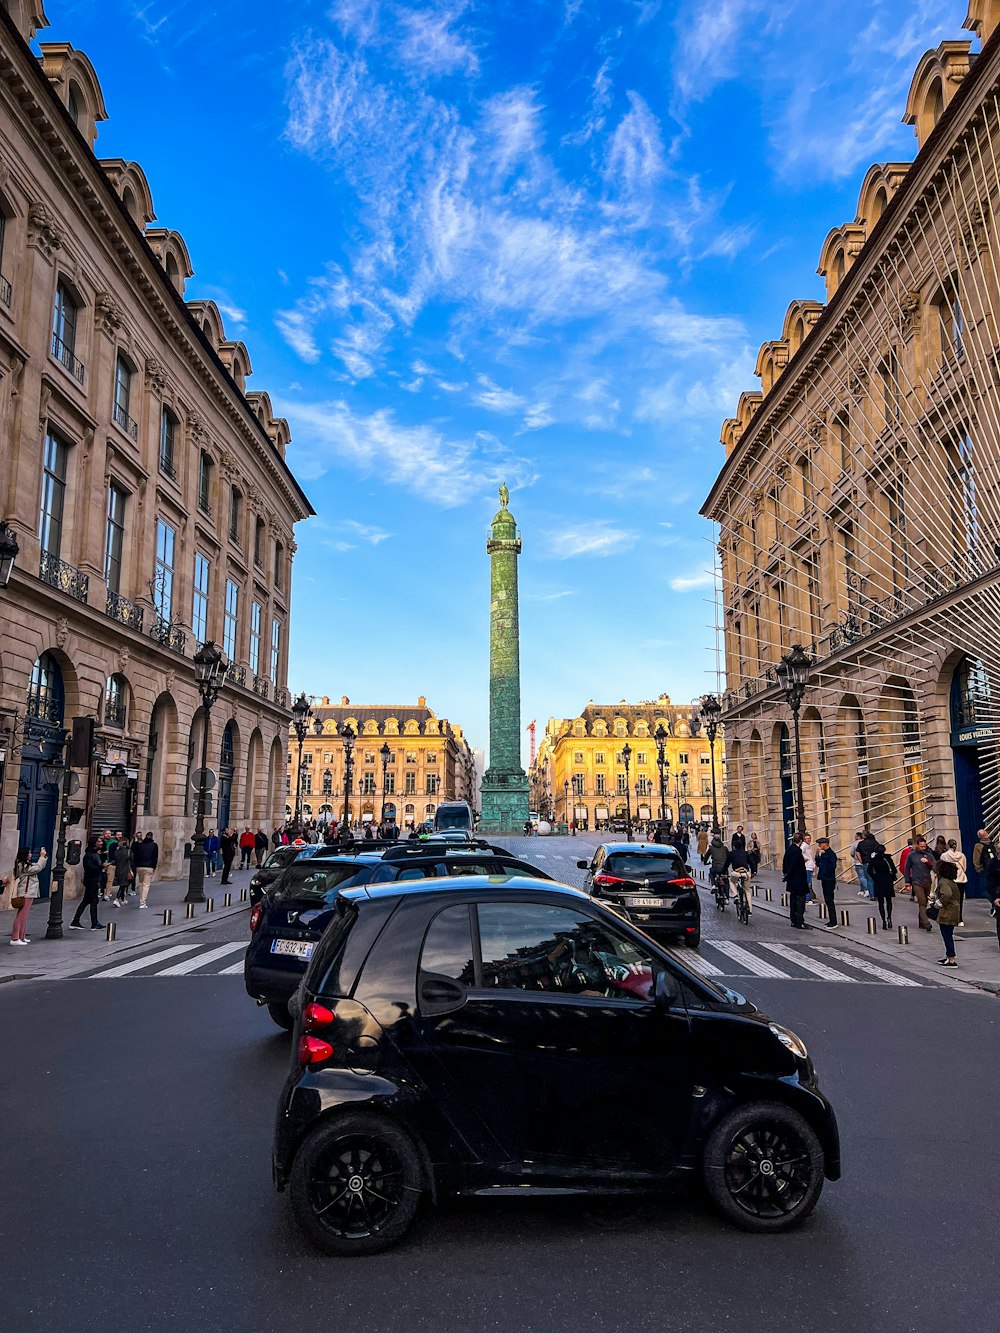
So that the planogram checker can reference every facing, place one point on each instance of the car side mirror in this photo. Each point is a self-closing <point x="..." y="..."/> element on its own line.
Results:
<point x="667" y="992"/>
<point x="583" y="865"/>
<point x="440" y="995"/>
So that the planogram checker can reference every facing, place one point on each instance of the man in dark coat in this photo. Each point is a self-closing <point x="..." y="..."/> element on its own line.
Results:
<point x="826" y="870"/>
<point x="227" y="846"/>
<point x="739" y="839"/>
<point x="793" y="870"/>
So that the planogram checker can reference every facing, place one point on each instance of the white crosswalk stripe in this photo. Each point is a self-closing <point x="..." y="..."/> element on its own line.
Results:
<point x="893" y="978"/>
<point x="759" y="967"/>
<point x="202" y="959"/>
<point x="696" y="962"/>
<point x="123" y="969"/>
<point x="812" y="965"/>
<point x="231" y="971"/>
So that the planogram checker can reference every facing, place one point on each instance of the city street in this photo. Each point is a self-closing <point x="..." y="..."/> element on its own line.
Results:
<point x="137" y="1180"/>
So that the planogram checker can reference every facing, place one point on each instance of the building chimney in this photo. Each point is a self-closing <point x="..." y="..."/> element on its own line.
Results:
<point x="344" y="701"/>
<point x="422" y="701"/>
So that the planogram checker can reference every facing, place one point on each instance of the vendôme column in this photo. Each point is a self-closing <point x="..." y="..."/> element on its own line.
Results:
<point x="505" y="783"/>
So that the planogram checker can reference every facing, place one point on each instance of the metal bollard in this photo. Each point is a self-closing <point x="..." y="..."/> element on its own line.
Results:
<point x="872" y="927"/>
<point x="753" y="890"/>
<point x="168" y="916"/>
<point x="243" y="895"/>
<point x="784" y="900"/>
<point x="904" y="934"/>
<point x="112" y="930"/>
<point x="227" y="900"/>
<point x="189" y="910"/>
<point x="845" y="917"/>
<point x="768" y="895"/>
<point x="209" y="904"/>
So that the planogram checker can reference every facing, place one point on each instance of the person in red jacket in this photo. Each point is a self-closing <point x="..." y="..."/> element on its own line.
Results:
<point x="248" y="841"/>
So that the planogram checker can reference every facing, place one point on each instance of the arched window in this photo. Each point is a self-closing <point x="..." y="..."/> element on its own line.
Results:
<point x="839" y="267"/>
<point x="579" y="728"/>
<point x="621" y="727"/>
<point x="115" y="701"/>
<point x="935" y="102"/>
<point x="131" y="207"/>
<point x="878" y="205"/>
<point x="46" y="698"/>
<point x="74" y="105"/>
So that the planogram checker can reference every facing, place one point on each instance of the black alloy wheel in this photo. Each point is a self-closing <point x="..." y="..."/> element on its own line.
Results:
<point x="280" y="1015"/>
<point x="693" y="941"/>
<point x="763" y="1167"/>
<point x="356" y="1185"/>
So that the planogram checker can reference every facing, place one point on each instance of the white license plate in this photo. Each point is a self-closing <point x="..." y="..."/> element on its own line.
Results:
<point x="297" y="948"/>
<point x="651" y="902"/>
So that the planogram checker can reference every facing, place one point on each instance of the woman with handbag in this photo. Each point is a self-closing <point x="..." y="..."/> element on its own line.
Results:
<point x="946" y="908"/>
<point x="962" y="877"/>
<point x="882" y="873"/>
<point x="24" y="890"/>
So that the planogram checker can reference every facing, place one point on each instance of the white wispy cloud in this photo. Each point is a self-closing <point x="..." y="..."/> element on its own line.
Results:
<point x="431" y="44"/>
<point x="348" y="534"/>
<point x="550" y="596"/>
<point x="599" y="538"/>
<point x="635" y="164"/>
<point x="494" y="398"/>
<point x="700" y="578"/>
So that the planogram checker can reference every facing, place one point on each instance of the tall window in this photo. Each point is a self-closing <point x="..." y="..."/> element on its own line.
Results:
<point x="258" y="542"/>
<point x="279" y="565"/>
<point x="622" y="781"/>
<point x="123" y="397"/>
<point x="842" y="435"/>
<point x="50" y="520"/>
<point x="811" y="568"/>
<point x="205" y="483"/>
<point x="163" y="576"/>
<point x="889" y="376"/>
<point x="64" y="322"/>
<point x="410" y="784"/>
<point x="231" y="620"/>
<point x="275" y="649"/>
<point x="965" y="527"/>
<point x="951" y="319"/>
<point x="115" y="538"/>
<point x="255" y="614"/>
<point x="168" y="432"/>
<point x="600" y="781"/>
<point x="898" y="546"/>
<point x="199" y="602"/>
<point x="6" y="292"/>
<point x="235" y="515"/>
<point x="432" y="784"/>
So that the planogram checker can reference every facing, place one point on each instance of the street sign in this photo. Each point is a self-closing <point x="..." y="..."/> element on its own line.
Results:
<point x="211" y="778"/>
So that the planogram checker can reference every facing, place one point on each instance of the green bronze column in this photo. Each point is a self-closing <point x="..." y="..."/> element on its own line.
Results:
<point x="505" y="783"/>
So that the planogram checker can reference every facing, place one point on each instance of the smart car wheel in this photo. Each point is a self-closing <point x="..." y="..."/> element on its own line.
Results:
<point x="763" y="1167"/>
<point x="280" y="1015"/>
<point x="355" y="1185"/>
<point x="693" y="940"/>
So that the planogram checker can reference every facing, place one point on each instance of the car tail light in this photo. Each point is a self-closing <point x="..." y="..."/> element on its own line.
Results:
<point x="255" y="916"/>
<point x="605" y="880"/>
<point x="685" y="883"/>
<point x="317" y="1016"/>
<point x="314" y="1050"/>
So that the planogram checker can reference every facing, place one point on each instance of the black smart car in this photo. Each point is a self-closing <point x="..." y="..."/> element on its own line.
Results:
<point x="650" y="884"/>
<point x="510" y="1036"/>
<point x="289" y="920"/>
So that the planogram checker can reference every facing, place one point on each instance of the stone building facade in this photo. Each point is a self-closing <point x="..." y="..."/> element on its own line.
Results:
<point x="146" y="485"/>
<point x="858" y="508"/>
<point x="579" y="772"/>
<point x="428" y="761"/>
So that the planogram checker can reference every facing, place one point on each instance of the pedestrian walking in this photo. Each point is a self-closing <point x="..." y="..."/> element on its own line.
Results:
<point x="919" y="868"/>
<point x="739" y="842"/>
<point x="702" y="843"/>
<point x="947" y="910"/>
<point x="883" y="872"/>
<point x="957" y="859"/>
<point x="227" y="850"/>
<point x="212" y="845"/>
<point x="904" y="856"/>
<point x="866" y="849"/>
<point x="93" y="877"/>
<point x="248" y="842"/>
<point x="826" y="869"/>
<point x="984" y="854"/>
<point x="260" y="846"/>
<point x="793" y="872"/>
<point x="145" y="858"/>
<point x="753" y="851"/>
<point x="809" y="857"/>
<point x="683" y="845"/>
<point x="123" y="873"/>
<point x="23" y="884"/>
<point x="993" y="891"/>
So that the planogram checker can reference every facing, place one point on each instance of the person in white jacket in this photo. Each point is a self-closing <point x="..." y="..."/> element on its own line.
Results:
<point x="957" y="858"/>
<point x="809" y="856"/>
<point x="23" y="885"/>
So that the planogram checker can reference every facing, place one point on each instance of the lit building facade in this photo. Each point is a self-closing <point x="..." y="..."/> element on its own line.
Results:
<point x="858" y="508"/>
<point x="579" y="774"/>
<point x="146" y="485"/>
<point x="427" y="760"/>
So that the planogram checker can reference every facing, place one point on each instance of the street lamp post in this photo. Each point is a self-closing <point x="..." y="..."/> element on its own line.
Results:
<point x="210" y="667"/>
<point x="566" y="800"/>
<point x="386" y="754"/>
<point x="301" y="713"/>
<point x="347" y="735"/>
<point x="711" y="711"/>
<point x="662" y="765"/>
<point x="627" y="759"/>
<point x="793" y="674"/>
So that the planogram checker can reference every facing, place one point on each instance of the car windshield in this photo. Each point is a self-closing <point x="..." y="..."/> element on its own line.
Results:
<point x="314" y="881"/>
<point x="281" y="856"/>
<point x="453" y="819"/>
<point x="642" y="864"/>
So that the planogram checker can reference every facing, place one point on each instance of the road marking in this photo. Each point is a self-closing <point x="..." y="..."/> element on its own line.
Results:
<point x="810" y="964"/>
<point x="199" y="960"/>
<point x="230" y="971"/>
<point x="893" y="978"/>
<point x="692" y="958"/>
<point x="123" y="969"/>
<point x="758" y="966"/>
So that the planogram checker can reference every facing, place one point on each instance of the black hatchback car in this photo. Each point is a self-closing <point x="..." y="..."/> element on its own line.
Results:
<point x="288" y="922"/>
<point x="277" y="861"/>
<point x="507" y="1036"/>
<point x="650" y="884"/>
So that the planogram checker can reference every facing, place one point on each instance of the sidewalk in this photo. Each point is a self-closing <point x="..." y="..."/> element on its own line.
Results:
<point x="975" y="943"/>
<point x="82" y="949"/>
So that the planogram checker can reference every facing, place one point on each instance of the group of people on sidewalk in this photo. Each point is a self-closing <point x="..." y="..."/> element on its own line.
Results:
<point x="119" y="863"/>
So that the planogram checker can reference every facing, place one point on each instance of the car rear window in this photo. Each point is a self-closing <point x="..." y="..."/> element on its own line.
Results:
<point x="282" y="856"/>
<point x="315" y="881"/>
<point x="641" y="864"/>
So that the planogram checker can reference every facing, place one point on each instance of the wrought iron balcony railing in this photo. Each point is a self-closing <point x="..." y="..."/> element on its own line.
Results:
<point x="114" y="715"/>
<point x="167" y="467"/>
<point x="58" y="574"/>
<point x="124" y="611"/>
<point x="6" y="291"/>
<point x="62" y="352"/>
<point x="127" y="423"/>
<point x="261" y="686"/>
<point x="168" y="635"/>
<point x="281" y="698"/>
<point x="236" y="675"/>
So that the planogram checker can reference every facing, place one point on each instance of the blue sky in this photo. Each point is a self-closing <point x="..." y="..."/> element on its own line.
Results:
<point x="537" y="241"/>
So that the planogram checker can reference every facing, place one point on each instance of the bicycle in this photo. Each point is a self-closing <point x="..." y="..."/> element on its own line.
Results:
<point x="743" y="904"/>
<point x="720" y="887"/>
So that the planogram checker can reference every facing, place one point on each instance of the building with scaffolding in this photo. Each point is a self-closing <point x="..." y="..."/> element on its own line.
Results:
<point x="859" y="508"/>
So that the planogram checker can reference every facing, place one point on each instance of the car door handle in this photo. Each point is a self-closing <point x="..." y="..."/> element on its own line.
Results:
<point x="440" y="995"/>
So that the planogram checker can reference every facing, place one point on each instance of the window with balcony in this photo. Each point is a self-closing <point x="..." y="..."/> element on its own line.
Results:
<point x="115" y="701"/>
<point x="432" y="784"/>
<point x="65" y="318"/>
<point x="168" y="436"/>
<point x="6" y="290"/>
<point x="410" y="785"/>
<point x="230" y="623"/>
<point x="235" y="516"/>
<point x="114" y="540"/>
<point x="577" y="781"/>
<point x="601" y="788"/>
<point x="199" y="607"/>
<point x="255" y="622"/>
<point x="275" y="649"/>
<point x="205" y="469"/>
<point x="123" y="398"/>
<point x="163" y="572"/>
<point x="622" y="782"/>
<point x="50" y="519"/>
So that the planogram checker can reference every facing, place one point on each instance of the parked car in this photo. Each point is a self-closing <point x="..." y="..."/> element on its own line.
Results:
<point x="475" y="1036"/>
<point x="288" y="922"/>
<point x="275" y="862"/>
<point x="649" y="883"/>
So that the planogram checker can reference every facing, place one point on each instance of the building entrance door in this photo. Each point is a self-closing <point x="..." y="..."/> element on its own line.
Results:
<point x="971" y="725"/>
<point x="38" y="800"/>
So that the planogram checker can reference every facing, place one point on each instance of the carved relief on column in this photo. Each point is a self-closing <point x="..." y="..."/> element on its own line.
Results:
<point x="44" y="233"/>
<point x="109" y="314"/>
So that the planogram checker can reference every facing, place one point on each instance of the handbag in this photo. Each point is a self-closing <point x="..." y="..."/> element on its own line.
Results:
<point x="18" y="901"/>
<point x="932" y="910"/>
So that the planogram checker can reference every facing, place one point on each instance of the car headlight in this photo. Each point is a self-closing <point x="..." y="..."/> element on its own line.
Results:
<point x="795" y="1044"/>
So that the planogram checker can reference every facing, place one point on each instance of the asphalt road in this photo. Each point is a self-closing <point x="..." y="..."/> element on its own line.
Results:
<point x="136" y="1188"/>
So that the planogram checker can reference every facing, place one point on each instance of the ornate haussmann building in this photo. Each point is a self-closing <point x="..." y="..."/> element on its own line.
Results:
<point x="859" y="506"/>
<point x="579" y="772"/>
<point x="427" y="760"/>
<point x="147" y="488"/>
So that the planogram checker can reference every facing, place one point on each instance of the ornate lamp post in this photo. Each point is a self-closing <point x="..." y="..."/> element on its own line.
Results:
<point x="301" y="713"/>
<point x="662" y="765"/>
<point x="566" y="800"/>
<point x="210" y="667"/>
<point x="711" y="711"/>
<point x="793" y="675"/>
<point x="8" y="553"/>
<point x="627" y="759"/>
<point x="386" y="754"/>
<point x="347" y="735"/>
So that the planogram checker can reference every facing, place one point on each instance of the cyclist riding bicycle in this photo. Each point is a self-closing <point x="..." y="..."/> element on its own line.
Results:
<point x="740" y="870"/>
<point x="717" y="858"/>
